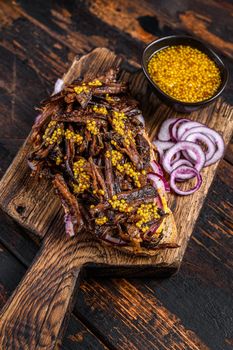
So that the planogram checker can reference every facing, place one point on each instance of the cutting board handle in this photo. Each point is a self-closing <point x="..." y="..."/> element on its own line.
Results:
<point x="34" y="316"/>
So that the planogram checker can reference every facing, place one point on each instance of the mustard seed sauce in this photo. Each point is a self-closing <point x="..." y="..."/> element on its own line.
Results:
<point x="185" y="73"/>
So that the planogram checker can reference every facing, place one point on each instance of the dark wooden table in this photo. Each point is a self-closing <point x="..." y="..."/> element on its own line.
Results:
<point x="192" y="310"/>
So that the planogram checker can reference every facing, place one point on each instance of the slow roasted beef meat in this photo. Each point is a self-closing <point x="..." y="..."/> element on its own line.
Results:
<point x="89" y="139"/>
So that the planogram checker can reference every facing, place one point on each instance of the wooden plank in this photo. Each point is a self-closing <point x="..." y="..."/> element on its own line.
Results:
<point x="77" y="337"/>
<point x="229" y="153"/>
<point x="16" y="240"/>
<point x="10" y="276"/>
<point x="36" y="211"/>
<point x="63" y="258"/>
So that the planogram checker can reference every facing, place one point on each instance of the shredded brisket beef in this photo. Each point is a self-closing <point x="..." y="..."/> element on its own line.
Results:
<point x="89" y="140"/>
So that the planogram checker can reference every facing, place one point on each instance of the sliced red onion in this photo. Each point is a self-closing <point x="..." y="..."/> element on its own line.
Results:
<point x="213" y="135"/>
<point x="162" y="146"/>
<point x="185" y="127"/>
<point x="166" y="184"/>
<point x="176" y="157"/>
<point x="175" y="127"/>
<point x="159" y="182"/>
<point x="158" y="201"/>
<point x="58" y="87"/>
<point x="181" y="146"/>
<point x="195" y="137"/>
<point x="113" y="240"/>
<point x="188" y="137"/>
<point x="183" y="171"/>
<point x="152" y="230"/>
<point x="156" y="167"/>
<point x="180" y="163"/>
<point x="38" y="118"/>
<point x="69" y="226"/>
<point x="164" y="131"/>
<point x="141" y="119"/>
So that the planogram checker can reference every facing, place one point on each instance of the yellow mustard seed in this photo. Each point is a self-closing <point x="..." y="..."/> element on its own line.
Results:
<point x="77" y="138"/>
<point x="96" y="82"/>
<point x="81" y="176"/>
<point x="101" y="221"/>
<point x="118" y="122"/>
<point x="185" y="73"/>
<point x="120" y="205"/>
<point x="58" y="160"/>
<point x="79" y="89"/>
<point x="109" y="98"/>
<point x="91" y="126"/>
<point x="108" y="154"/>
<point x="146" y="213"/>
<point x="100" y="110"/>
<point x="56" y="136"/>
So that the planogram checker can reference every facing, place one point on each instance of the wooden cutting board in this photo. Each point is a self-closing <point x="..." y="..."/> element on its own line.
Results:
<point x="36" y="314"/>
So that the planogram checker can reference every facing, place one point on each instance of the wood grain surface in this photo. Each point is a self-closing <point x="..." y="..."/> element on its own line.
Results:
<point x="38" y="40"/>
<point x="42" y="300"/>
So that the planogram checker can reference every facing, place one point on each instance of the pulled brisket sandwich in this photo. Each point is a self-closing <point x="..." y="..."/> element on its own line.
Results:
<point x="90" y="141"/>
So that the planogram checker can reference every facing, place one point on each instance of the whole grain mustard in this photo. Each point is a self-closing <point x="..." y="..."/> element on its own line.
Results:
<point x="185" y="73"/>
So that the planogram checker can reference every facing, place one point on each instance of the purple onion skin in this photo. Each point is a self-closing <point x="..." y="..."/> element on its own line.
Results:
<point x="182" y="170"/>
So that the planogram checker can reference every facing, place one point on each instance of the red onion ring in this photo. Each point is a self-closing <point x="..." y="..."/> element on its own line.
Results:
<point x="162" y="146"/>
<point x="186" y="136"/>
<point x="185" y="127"/>
<point x="176" y="157"/>
<point x="159" y="182"/>
<point x="180" y="163"/>
<point x="175" y="127"/>
<point x="156" y="167"/>
<point x="184" y="146"/>
<point x="214" y="135"/>
<point x="166" y="184"/>
<point x="194" y="137"/>
<point x="181" y="171"/>
<point x="164" y="131"/>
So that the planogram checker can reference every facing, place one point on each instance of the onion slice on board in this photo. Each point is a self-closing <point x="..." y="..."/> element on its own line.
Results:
<point x="183" y="171"/>
<point x="156" y="167"/>
<point x="185" y="127"/>
<point x="214" y="136"/>
<point x="159" y="182"/>
<point x="195" y="137"/>
<point x="175" y="127"/>
<point x="184" y="146"/>
<point x="162" y="146"/>
<point x="164" y="131"/>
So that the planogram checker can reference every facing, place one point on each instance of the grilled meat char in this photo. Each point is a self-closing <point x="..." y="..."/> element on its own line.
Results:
<point x="90" y="140"/>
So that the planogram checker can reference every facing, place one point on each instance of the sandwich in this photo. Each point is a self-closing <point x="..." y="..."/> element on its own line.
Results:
<point x="90" y="141"/>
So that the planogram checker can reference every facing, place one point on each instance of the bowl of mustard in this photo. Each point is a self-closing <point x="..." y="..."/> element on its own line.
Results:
<point x="184" y="72"/>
